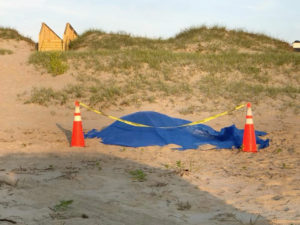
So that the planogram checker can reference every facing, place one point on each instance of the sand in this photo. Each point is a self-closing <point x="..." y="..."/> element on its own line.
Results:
<point x="39" y="171"/>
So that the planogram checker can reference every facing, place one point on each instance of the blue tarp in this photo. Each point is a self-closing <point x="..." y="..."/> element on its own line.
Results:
<point x="189" y="137"/>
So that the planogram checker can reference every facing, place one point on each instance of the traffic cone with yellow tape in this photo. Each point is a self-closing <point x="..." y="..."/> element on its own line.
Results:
<point x="77" y="134"/>
<point x="249" y="141"/>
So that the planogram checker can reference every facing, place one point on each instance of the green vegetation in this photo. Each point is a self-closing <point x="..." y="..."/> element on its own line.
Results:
<point x="197" y="39"/>
<point x="53" y="62"/>
<point x="9" y="33"/>
<point x="43" y="96"/>
<point x="178" y="164"/>
<point x="98" y="39"/>
<point x="98" y="165"/>
<point x="63" y="205"/>
<point x="5" y="51"/>
<point x="138" y="175"/>
<point x="219" y="38"/>
<point x="197" y="65"/>
<point x="239" y="90"/>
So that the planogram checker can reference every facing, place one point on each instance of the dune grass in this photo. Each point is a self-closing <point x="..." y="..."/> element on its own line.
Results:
<point x="228" y="39"/>
<point x="210" y="39"/>
<point x="54" y="62"/>
<point x="214" y="63"/>
<point x="43" y="96"/>
<point x="4" y="51"/>
<point x="99" y="40"/>
<point x="10" y="33"/>
<point x="165" y="61"/>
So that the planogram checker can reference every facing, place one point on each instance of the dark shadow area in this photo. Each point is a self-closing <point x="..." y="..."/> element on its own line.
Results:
<point x="67" y="133"/>
<point x="95" y="188"/>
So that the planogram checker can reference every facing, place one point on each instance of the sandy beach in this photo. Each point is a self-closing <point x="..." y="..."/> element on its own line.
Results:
<point x="44" y="181"/>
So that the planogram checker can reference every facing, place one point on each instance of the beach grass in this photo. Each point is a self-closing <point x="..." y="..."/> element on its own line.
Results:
<point x="118" y="69"/>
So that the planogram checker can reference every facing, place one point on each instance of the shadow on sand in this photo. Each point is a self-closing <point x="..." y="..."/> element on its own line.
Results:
<point x="67" y="133"/>
<point x="104" y="191"/>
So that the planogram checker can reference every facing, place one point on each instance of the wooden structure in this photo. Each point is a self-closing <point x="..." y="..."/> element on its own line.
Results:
<point x="296" y="46"/>
<point x="50" y="41"/>
<point x="69" y="35"/>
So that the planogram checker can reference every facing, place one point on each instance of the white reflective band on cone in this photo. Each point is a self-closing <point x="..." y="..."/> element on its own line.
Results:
<point x="77" y="109"/>
<point x="77" y="118"/>
<point x="249" y="121"/>
<point x="249" y="112"/>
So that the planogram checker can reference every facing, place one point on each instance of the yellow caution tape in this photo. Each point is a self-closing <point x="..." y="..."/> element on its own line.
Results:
<point x="213" y="117"/>
<point x="113" y="117"/>
<point x="143" y="125"/>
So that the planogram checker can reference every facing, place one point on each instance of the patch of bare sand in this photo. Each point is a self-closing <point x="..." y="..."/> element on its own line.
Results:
<point x="38" y="169"/>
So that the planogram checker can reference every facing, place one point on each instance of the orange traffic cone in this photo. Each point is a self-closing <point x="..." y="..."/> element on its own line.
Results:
<point x="77" y="134"/>
<point x="249" y="141"/>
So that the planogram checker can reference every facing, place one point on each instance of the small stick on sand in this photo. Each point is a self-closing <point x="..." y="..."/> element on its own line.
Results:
<point x="8" y="220"/>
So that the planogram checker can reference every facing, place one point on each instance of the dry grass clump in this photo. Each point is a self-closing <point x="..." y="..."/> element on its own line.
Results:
<point x="4" y="51"/>
<point x="9" y="33"/>
<point x="43" y="96"/>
